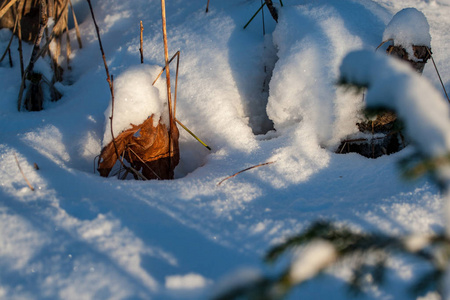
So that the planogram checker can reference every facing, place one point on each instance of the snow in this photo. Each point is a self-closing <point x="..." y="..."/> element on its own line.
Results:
<point x="252" y="99"/>
<point x="408" y="27"/>
<point x="136" y="99"/>
<point x="391" y="84"/>
<point x="188" y="281"/>
<point x="317" y="256"/>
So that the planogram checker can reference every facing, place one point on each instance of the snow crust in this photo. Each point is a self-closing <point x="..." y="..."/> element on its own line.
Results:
<point x="136" y="99"/>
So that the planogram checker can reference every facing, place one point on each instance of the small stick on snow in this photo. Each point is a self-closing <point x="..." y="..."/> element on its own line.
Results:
<point x="207" y="6"/>
<point x="141" y="49"/>
<point x="435" y="67"/>
<point x="23" y="174"/>
<point x="260" y="165"/>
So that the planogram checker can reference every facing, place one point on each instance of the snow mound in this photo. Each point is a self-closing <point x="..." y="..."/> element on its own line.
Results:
<point x="135" y="99"/>
<point x="393" y="85"/>
<point x="408" y="27"/>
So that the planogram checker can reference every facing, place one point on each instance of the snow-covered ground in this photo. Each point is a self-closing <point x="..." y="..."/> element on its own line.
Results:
<point x="253" y="99"/>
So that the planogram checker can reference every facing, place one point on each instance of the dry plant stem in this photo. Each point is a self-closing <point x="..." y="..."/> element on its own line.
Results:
<point x="108" y="78"/>
<point x="77" y="28"/>
<point x="207" y="6"/>
<point x="251" y="19"/>
<point x="260" y="165"/>
<point x="11" y="39"/>
<point x="440" y="79"/>
<point x="10" y="58"/>
<point x="110" y="81"/>
<point x="175" y="98"/>
<point x="19" y="34"/>
<point x="35" y="56"/>
<point x="141" y="49"/>
<point x="36" y="48"/>
<point x="164" y="68"/>
<point x="68" y="47"/>
<point x="6" y="7"/>
<point x="263" y="23"/>
<point x="191" y="133"/>
<point x="23" y="174"/>
<point x="142" y="161"/>
<point x="176" y="86"/>
<point x="382" y="43"/>
<point x="166" y="56"/>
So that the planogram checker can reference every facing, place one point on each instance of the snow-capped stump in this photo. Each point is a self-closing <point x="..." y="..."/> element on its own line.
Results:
<point x="409" y="32"/>
<point x="147" y="147"/>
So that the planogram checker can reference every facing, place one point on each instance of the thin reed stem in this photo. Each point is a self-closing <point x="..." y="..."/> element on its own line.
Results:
<point x="141" y="49"/>
<point x="166" y="57"/>
<point x="257" y="166"/>
<point x="439" y="75"/>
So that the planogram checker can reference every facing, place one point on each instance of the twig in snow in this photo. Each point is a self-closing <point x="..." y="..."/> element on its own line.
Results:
<point x="11" y="39"/>
<point x="435" y="67"/>
<point x="37" y="50"/>
<point x="251" y="19"/>
<point x="383" y="42"/>
<point x="142" y="161"/>
<point x="252" y="167"/>
<point x="23" y="174"/>
<point x="191" y="133"/>
<point x="19" y="35"/>
<point x="175" y="98"/>
<point x="110" y="80"/>
<point x="207" y="6"/>
<point x="166" y="57"/>
<point x="141" y="49"/>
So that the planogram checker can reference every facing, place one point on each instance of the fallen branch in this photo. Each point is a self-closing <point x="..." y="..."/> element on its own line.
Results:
<point x="257" y="166"/>
<point x="23" y="174"/>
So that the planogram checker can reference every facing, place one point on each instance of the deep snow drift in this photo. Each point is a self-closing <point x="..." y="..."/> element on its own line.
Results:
<point x="82" y="236"/>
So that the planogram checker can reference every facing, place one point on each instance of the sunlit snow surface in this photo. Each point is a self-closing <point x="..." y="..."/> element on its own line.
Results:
<point x="82" y="236"/>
